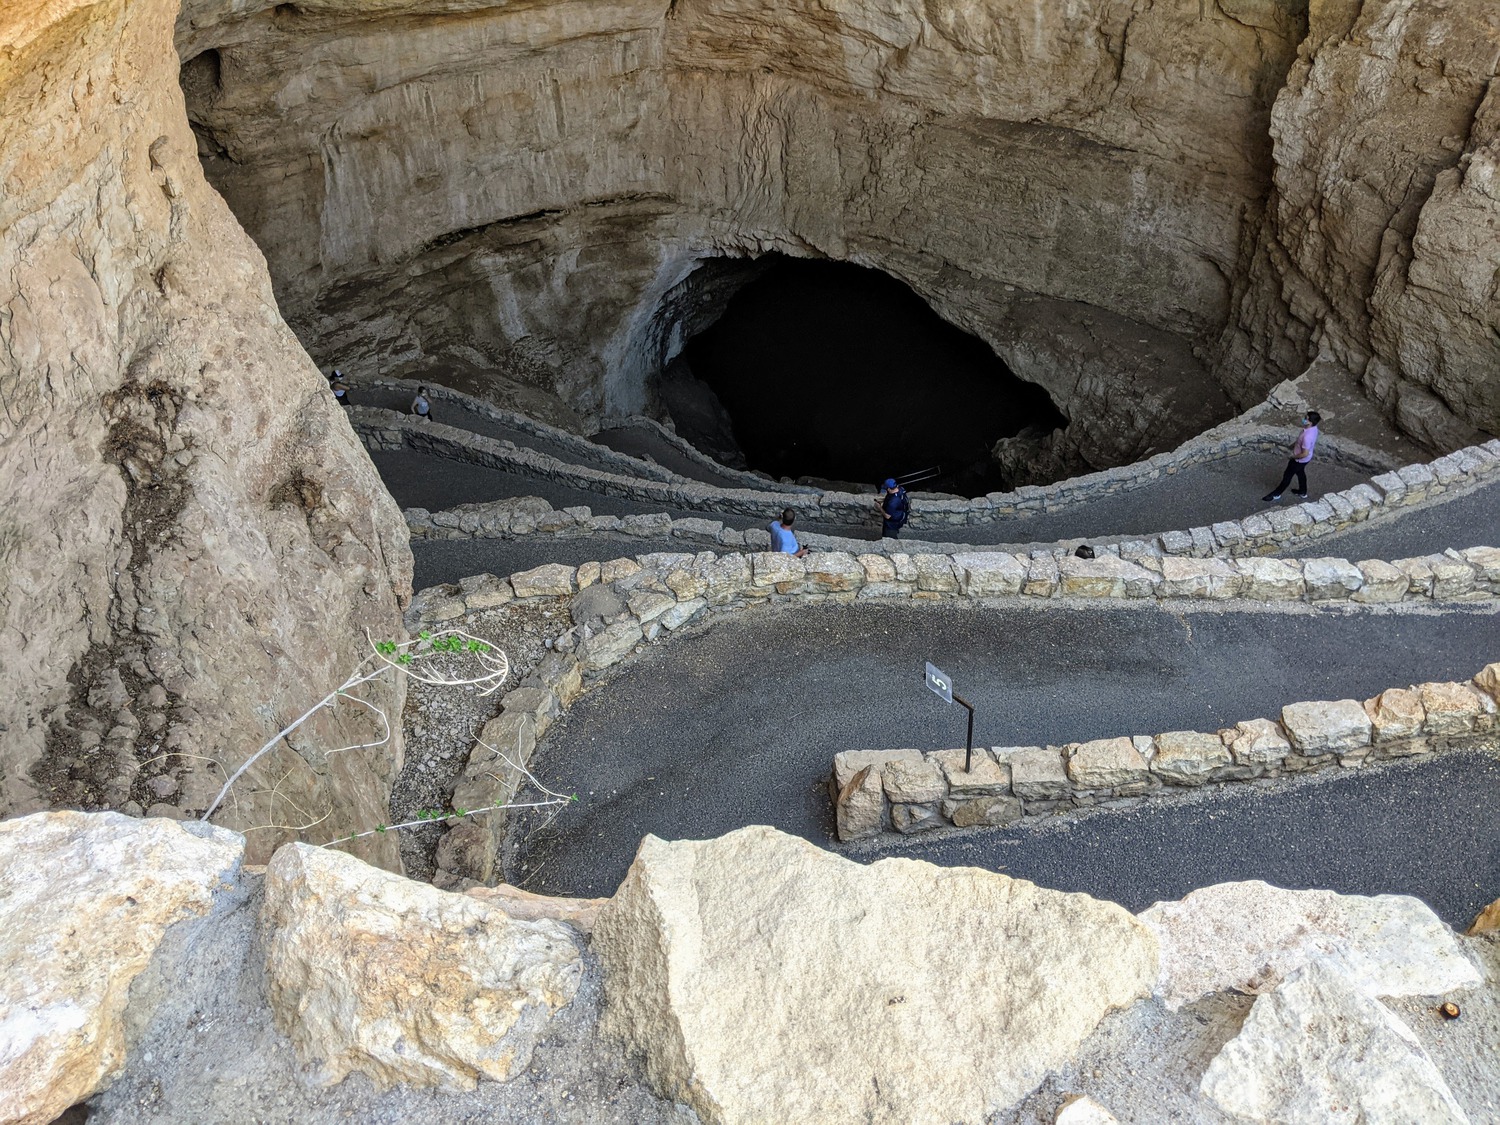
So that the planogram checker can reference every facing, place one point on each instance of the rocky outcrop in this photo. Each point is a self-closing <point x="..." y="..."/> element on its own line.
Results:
<point x="84" y="903"/>
<point x="1318" y="1049"/>
<point x="859" y="991"/>
<point x="1379" y="253"/>
<point x="1251" y="936"/>
<point x="194" y="543"/>
<point x="375" y="974"/>
<point x="1072" y="183"/>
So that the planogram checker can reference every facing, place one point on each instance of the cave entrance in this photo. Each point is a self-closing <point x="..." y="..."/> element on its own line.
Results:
<point x="829" y="371"/>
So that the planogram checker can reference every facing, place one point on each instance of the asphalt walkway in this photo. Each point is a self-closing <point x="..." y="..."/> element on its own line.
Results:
<point x="1471" y="520"/>
<point x="737" y="723"/>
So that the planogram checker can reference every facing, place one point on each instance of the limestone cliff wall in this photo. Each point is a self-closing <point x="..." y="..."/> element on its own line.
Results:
<point x="519" y="184"/>
<point x="1381" y="250"/>
<point x="193" y="542"/>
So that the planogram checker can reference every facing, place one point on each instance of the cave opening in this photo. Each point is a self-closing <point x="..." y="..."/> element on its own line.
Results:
<point x="829" y="371"/>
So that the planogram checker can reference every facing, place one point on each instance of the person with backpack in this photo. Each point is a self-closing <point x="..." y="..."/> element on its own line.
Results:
<point x="895" y="507"/>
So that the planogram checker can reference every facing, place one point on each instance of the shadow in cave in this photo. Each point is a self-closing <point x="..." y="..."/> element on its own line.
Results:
<point x="831" y="371"/>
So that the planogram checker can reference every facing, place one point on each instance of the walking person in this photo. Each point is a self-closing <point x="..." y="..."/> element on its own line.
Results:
<point x="894" y="507"/>
<point x="1296" y="465"/>
<point x="420" y="406"/>
<point x="783" y="539"/>
<point x="339" y="388"/>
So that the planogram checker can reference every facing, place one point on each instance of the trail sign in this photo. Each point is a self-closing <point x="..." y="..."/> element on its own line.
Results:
<point x="938" y="682"/>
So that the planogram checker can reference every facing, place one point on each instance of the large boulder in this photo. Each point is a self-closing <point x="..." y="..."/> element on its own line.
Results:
<point x="1250" y="936"/>
<point x="1320" y="1051"/>
<point x="84" y="901"/>
<point x="375" y="974"/>
<point x="764" y="979"/>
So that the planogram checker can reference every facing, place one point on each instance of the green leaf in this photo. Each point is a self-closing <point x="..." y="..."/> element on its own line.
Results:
<point x="380" y="828"/>
<point x="425" y="635"/>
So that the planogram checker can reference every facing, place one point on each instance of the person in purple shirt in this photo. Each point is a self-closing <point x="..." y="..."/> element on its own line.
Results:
<point x="1302" y="453"/>
<point x="783" y="539"/>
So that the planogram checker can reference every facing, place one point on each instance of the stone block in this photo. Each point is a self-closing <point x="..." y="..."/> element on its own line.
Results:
<point x="1037" y="772"/>
<point x="727" y="576"/>
<point x="834" y="572"/>
<point x="877" y="568"/>
<point x="907" y="819"/>
<point x="1258" y="743"/>
<point x="1041" y="577"/>
<point x="859" y="805"/>
<point x="1256" y="527"/>
<point x="1418" y="575"/>
<point x="560" y="674"/>
<point x="692" y="527"/>
<point x="1330" y="579"/>
<point x="906" y="570"/>
<point x="988" y="778"/>
<point x="1327" y="727"/>
<point x="1272" y="580"/>
<point x="1382" y="582"/>
<point x="610" y="646"/>
<point x="689" y="580"/>
<point x="650" y="525"/>
<point x="1395" y="714"/>
<point x="681" y="613"/>
<point x="1488" y="681"/>
<point x="885" y="590"/>
<point x="1104" y="577"/>
<point x="1486" y="564"/>
<point x="1106" y="763"/>
<point x="540" y="703"/>
<point x="988" y="574"/>
<point x="779" y="570"/>
<point x="1391" y="487"/>
<point x="1188" y="757"/>
<point x="847" y="763"/>
<point x="615" y="570"/>
<point x="914" y="782"/>
<point x="1447" y="469"/>
<point x="1418" y="479"/>
<point x="648" y="605"/>
<point x="1363" y="499"/>
<point x="935" y="574"/>
<point x="1451" y="578"/>
<point x="1176" y="543"/>
<point x="1203" y="541"/>
<point x="1228" y="534"/>
<point x="983" y="812"/>
<point x="508" y="740"/>
<point x="485" y="591"/>
<point x="550" y="580"/>
<point x="1455" y="709"/>
<point x="588" y="575"/>
<point x="1200" y="578"/>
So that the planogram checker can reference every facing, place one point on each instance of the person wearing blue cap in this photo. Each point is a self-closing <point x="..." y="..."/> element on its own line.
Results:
<point x="894" y="509"/>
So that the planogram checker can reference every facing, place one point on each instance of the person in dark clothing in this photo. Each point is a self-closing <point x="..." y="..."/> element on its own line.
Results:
<point x="894" y="509"/>
<point x="339" y="388"/>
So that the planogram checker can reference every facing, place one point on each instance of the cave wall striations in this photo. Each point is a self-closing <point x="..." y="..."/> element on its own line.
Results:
<point x="1381" y="249"/>
<point x="192" y="540"/>
<point x="517" y="186"/>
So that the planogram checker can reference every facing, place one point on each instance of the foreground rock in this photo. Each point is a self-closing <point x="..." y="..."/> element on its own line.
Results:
<point x="1250" y="936"/>
<point x="84" y="902"/>
<point x="1320" y="1051"/>
<point x="375" y="974"/>
<point x="764" y="979"/>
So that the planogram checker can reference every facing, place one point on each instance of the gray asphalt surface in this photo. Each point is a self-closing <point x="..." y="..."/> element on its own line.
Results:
<point x="1472" y="520"/>
<point x="641" y="441"/>
<point x="738" y="723"/>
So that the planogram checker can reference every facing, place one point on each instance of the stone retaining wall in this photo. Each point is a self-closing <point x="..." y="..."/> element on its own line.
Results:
<point x="618" y="607"/>
<point x="389" y="430"/>
<point x="908" y="791"/>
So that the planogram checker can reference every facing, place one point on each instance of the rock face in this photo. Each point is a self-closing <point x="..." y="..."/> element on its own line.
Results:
<point x="194" y="542"/>
<point x="84" y="902"/>
<point x="764" y="979"/>
<point x="372" y="973"/>
<point x="1318" y="1051"/>
<point x="1250" y="936"/>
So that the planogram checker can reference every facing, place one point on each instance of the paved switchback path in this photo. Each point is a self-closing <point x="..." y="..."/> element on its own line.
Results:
<point x="737" y="724"/>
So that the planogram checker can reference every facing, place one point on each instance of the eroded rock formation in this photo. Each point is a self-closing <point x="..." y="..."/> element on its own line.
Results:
<point x="194" y="543"/>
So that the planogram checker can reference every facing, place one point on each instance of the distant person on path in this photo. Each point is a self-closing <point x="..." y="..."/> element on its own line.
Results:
<point x="894" y="509"/>
<point x="420" y="406"/>
<point x="1296" y="465"/>
<point x="783" y="539"/>
<point x="339" y="388"/>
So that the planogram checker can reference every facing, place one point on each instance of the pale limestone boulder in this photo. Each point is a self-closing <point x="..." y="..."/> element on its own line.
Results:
<point x="1106" y="763"/>
<point x="986" y="812"/>
<point x="847" y="763"/>
<point x="1041" y="577"/>
<point x="1083" y="1110"/>
<point x="609" y="646"/>
<point x="524" y="906"/>
<point x="987" y="776"/>
<point x="1327" y="727"/>
<point x="877" y="568"/>
<point x="989" y="574"/>
<point x="1330" y="579"/>
<point x="764" y="979"/>
<point x="1382" y="582"/>
<point x="374" y="974"/>
<point x="779" y="570"/>
<point x="834" y="572"/>
<point x="1258" y="742"/>
<point x="859" y="804"/>
<point x="1200" y="578"/>
<point x="1395" y="713"/>
<point x="1486" y="564"/>
<point x="648" y="605"/>
<point x="1038" y="772"/>
<point x="1451" y="578"/>
<point x="1455" y="709"/>
<point x="1320" y="1051"/>
<point x="680" y="614"/>
<point x="1103" y="577"/>
<point x="1418" y="575"/>
<point x="1488" y="681"/>
<point x="614" y="570"/>
<point x="914" y="782"/>
<point x="84" y="901"/>
<point x="1271" y="580"/>
<point x="1249" y="936"/>
<point x="1185" y="757"/>
<point x="550" y="580"/>
<point x="935" y="574"/>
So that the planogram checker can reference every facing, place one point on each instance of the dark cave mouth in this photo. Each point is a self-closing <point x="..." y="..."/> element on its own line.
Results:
<point x="827" y="371"/>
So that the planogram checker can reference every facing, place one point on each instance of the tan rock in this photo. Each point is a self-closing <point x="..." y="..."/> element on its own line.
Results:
<point x="877" y="568"/>
<point x="1200" y="578"/>
<point x="1332" y="727"/>
<point x="1250" y="936"/>
<point x="1037" y="772"/>
<point x="990" y="574"/>
<point x="757" y="953"/>
<point x="523" y="906"/>
<point x="914" y="782"/>
<point x="615" y="570"/>
<point x="1272" y="580"/>
<point x="782" y="571"/>
<point x="1106" y="763"/>
<point x="1188" y="757"/>
<point x="1394" y="714"/>
<point x="983" y="811"/>
<point x="987" y="777"/>
<point x="84" y="901"/>
<point x="374" y="974"/>
<point x="1487" y="920"/>
<point x="859" y="804"/>
<point x="935" y="574"/>
<point x="1331" y="579"/>
<point x="610" y="646"/>
<point x="550" y="580"/>
<point x="847" y="763"/>
<point x="1382" y="582"/>
<point x="834" y="572"/>
<point x="1455" y="709"/>
<point x="1080" y="1109"/>
<point x="1258" y="742"/>
<point x="1488" y="681"/>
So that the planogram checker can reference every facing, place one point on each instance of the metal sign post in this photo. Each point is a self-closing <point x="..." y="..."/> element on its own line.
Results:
<point x="939" y="684"/>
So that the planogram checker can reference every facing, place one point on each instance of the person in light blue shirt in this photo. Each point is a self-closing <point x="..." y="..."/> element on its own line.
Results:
<point x="783" y="539"/>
